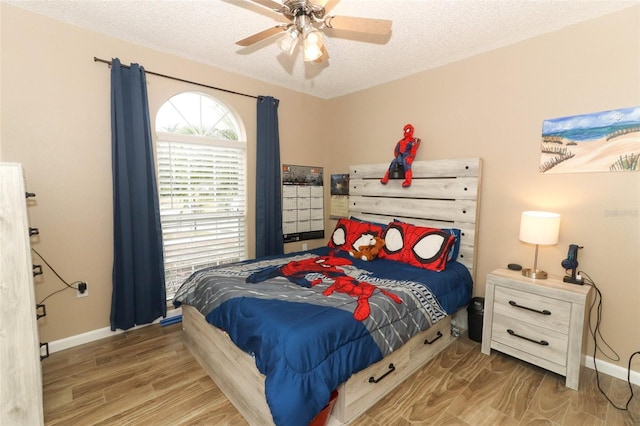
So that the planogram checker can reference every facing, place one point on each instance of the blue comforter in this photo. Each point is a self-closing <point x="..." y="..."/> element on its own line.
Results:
<point x="307" y="343"/>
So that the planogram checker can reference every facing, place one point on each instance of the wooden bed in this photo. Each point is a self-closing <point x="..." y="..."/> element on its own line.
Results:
<point x="443" y="193"/>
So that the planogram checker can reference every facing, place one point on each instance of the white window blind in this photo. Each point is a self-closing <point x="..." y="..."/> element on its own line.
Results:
<point x="202" y="204"/>
<point x="201" y="156"/>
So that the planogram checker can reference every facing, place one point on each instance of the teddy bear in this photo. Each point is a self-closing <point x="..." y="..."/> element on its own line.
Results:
<point x="369" y="251"/>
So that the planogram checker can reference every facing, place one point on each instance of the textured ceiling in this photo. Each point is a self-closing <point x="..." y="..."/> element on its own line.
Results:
<point x="425" y="34"/>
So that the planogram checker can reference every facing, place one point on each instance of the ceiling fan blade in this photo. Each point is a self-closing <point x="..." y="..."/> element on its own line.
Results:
<point x="329" y="4"/>
<point x="261" y="35"/>
<point x="270" y="4"/>
<point x="362" y="25"/>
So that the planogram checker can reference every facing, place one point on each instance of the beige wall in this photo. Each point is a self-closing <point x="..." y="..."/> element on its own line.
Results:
<point x="55" y="120"/>
<point x="492" y="106"/>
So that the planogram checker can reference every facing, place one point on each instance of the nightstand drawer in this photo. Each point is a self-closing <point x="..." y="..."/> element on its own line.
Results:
<point x="531" y="308"/>
<point x="538" y="341"/>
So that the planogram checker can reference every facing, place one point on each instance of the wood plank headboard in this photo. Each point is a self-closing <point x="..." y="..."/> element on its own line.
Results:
<point x="443" y="194"/>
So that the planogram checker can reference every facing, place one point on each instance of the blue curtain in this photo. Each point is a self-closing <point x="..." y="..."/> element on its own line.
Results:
<point x="269" y="238"/>
<point x="138" y="295"/>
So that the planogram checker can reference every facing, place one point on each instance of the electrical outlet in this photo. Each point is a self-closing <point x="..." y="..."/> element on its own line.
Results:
<point x="84" y="293"/>
<point x="304" y="246"/>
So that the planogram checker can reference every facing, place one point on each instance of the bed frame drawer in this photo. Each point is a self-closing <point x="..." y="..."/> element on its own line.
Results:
<point x="368" y="386"/>
<point x="365" y="388"/>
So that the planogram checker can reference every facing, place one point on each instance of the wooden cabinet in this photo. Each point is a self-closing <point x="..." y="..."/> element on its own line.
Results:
<point x="20" y="371"/>
<point x="538" y="321"/>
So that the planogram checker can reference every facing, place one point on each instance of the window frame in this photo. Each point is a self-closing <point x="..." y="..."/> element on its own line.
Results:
<point x="241" y="145"/>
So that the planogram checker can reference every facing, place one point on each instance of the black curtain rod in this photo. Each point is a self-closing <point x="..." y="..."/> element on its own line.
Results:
<point x="104" y="61"/>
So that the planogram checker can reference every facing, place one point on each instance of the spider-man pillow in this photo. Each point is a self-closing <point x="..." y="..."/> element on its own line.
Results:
<point x="419" y="246"/>
<point x="455" y="247"/>
<point x="351" y="234"/>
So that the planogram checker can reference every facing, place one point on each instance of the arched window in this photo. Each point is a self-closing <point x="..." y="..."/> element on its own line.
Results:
<point x="201" y="160"/>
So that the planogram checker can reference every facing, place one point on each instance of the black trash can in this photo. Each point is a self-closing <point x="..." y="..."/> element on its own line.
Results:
<point x="475" y="312"/>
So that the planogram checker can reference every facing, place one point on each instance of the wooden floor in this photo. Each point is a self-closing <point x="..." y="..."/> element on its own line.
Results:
<point x="148" y="377"/>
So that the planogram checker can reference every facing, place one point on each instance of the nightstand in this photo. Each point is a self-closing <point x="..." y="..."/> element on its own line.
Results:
<point x="537" y="321"/>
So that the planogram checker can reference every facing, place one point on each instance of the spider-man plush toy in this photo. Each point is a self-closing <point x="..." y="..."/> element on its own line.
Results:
<point x="404" y="152"/>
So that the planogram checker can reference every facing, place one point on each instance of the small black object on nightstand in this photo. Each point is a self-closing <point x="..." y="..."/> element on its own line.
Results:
<point x="514" y="267"/>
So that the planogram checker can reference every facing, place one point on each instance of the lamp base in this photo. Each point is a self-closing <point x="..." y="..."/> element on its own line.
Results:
<point x="536" y="274"/>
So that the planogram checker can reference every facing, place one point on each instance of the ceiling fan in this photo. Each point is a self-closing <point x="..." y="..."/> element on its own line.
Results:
<point x="306" y="20"/>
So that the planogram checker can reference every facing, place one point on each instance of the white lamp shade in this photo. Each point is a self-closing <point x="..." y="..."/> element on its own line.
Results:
<point x="540" y="227"/>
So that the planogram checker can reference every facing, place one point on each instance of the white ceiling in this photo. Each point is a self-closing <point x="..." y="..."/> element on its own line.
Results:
<point x="425" y="34"/>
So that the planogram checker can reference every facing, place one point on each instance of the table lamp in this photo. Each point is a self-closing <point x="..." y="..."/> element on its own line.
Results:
<point x="538" y="228"/>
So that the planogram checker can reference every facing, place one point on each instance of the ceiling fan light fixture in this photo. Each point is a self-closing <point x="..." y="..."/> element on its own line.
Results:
<point x="307" y="19"/>
<point x="287" y="43"/>
<point x="313" y="43"/>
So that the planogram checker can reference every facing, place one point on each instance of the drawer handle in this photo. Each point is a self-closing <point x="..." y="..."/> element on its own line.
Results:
<point x="43" y="312"/>
<point x="37" y="270"/>
<point x="539" y="342"/>
<point x="431" y="342"/>
<point x="392" y="368"/>
<point x="545" y="312"/>
<point x="46" y="350"/>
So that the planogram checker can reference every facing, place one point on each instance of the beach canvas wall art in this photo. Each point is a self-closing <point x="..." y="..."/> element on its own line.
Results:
<point x="606" y="141"/>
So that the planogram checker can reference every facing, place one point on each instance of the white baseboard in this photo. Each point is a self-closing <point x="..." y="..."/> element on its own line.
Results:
<point x="91" y="336"/>
<point x="613" y="370"/>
